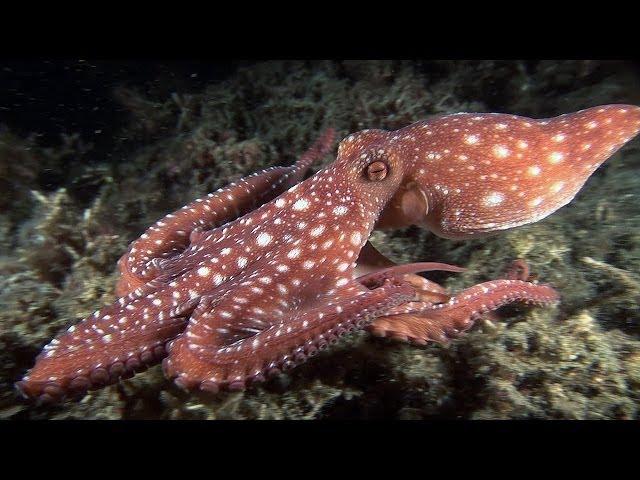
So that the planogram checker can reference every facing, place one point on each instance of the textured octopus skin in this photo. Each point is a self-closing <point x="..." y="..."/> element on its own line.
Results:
<point x="227" y="293"/>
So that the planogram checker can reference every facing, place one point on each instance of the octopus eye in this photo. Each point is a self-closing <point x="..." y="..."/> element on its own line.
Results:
<point x="377" y="171"/>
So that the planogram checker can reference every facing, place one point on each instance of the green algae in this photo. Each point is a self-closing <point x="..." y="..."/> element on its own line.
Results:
<point x="577" y="361"/>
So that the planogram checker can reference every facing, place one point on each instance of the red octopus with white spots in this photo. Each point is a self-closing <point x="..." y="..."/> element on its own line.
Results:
<point x="258" y="276"/>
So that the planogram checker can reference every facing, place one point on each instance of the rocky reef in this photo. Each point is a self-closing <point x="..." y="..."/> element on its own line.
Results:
<point x="64" y="222"/>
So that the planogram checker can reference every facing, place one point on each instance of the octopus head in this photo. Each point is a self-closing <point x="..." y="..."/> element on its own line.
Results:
<point x="377" y="166"/>
<point x="371" y="170"/>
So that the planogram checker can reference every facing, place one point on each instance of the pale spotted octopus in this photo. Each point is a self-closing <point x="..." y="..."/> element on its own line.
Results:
<point x="260" y="275"/>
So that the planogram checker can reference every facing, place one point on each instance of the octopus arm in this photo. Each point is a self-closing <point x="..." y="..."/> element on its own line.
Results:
<point x="371" y="260"/>
<point x="422" y="322"/>
<point x="172" y="234"/>
<point x="115" y="342"/>
<point x="281" y="345"/>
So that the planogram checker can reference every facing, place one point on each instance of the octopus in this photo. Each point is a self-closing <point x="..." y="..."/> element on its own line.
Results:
<point x="257" y="277"/>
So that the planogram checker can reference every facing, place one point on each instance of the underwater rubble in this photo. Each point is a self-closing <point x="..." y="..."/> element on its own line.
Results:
<point x="60" y="240"/>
